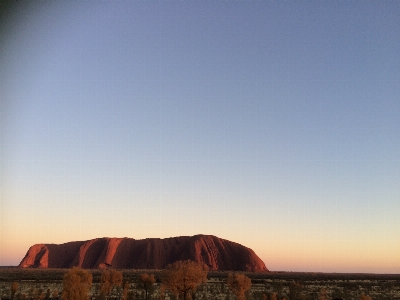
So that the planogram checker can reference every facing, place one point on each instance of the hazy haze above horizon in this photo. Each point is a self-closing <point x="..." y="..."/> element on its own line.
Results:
<point x="273" y="124"/>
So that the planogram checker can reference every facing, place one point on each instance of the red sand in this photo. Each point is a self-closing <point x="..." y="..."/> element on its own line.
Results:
<point x="152" y="253"/>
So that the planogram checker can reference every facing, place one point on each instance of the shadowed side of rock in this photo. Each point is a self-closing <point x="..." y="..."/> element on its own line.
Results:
<point x="51" y="255"/>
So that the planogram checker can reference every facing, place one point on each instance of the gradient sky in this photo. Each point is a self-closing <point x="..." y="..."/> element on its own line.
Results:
<point x="272" y="124"/>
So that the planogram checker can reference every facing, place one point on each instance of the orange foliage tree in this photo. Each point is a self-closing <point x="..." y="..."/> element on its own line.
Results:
<point x="125" y="290"/>
<point x="76" y="284"/>
<point x="183" y="277"/>
<point x="323" y="294"/>
<point x="146" y="282"/>
<point x="14" y="288"/>
<point x="364" y="297"/>
<point x="239" y="284"/>
<point x="109" y="279"/>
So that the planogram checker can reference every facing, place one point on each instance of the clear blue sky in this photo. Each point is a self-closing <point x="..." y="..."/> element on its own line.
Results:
<point x="274" y="124"/>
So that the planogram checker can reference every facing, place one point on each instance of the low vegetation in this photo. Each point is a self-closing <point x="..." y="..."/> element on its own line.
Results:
<point x="188" y="280"/>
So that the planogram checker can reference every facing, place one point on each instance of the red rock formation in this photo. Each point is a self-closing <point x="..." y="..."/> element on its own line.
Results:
<point x="127" y="253"/>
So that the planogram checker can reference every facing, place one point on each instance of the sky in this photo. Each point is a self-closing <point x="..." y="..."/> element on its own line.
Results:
<point x="273" y="124"/>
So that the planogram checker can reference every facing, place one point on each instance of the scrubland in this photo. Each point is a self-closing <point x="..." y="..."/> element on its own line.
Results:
<point x="291" y="285"/>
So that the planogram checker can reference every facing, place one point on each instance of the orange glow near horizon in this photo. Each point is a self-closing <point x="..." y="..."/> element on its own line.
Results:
<point x="344" y="258"/>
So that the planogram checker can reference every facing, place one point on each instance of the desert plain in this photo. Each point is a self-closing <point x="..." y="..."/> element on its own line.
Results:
<point x="338" y="286"/>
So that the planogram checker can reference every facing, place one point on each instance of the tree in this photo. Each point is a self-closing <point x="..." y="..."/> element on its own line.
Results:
<point x="239" y="284"/>
<point x="146" y="282"/>
<point x="47" y="295"/>
<point x="323" y="294"/>
<point x="278" y="287"/>
<point x="264" y="296"/>
<point x="54" y="295"/>
<point x="162" y="292"/>
<point x="183" y="277"/>
<point x="131" y="295"/>
<point x="38" y="294"/>
<point x="76" y="284"/>
<point x="295" y="290"/>
<point x="125" y="290"/>
<point x="14" y="288"/>
<point x="18" y="296"/>
<point x="364" y="297"/>
<point x="30" y="293"/>
<point x="101" y="296"/>
<point x="110" y="279"/>
<point x="337" y="294"/>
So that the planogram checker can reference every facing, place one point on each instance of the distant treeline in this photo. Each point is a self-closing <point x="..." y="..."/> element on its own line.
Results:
<point x="10" y="274"/>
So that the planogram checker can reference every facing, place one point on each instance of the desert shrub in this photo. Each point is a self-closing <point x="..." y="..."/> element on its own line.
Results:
<point x="101" y="296"/>
<point x="54" y="295"/>
<point x="323" y="294"/>
<point x="295" y="290"/>
<point x="14" y="288"/>
<point x="38" y="294"/>
<point x="125" y="290"/>
<point x="277" y="286"/>
<point x="18" y="296"/>
<point x="130" y="295"/>
<point x="47" y="295"/>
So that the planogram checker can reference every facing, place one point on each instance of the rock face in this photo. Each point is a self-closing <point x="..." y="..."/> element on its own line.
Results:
<point x="152" y="253"/>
